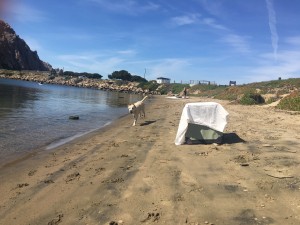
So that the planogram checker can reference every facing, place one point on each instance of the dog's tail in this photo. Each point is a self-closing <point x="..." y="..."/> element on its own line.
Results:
<point x="144" y="98"/>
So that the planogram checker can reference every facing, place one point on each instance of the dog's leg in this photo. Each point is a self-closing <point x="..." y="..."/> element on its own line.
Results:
<point x="142" y="112"/>
<point x="144" y="115"/>
<point x="134" y="120"/>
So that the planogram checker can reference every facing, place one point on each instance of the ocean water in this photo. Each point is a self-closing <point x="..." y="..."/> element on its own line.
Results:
<point x="35" y="116"/>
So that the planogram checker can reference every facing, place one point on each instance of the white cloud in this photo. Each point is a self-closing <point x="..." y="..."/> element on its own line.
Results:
<point x="286" y="66"/>
<point x="150" y="6"/>
<point x="185" y="20"/>
<point x="212" y="23"/>
<point x="272" y="25"/>
<point x="90" y="63"/>
<point x="126" y="6"/>
<point x="239" y="43"/>
<point x="129" y="52"/>
<point x="196" y="18"/>
<point x="105" y="63"/>
<point x="174" y="68"/>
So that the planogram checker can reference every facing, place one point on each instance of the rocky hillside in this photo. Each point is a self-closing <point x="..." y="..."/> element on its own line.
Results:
<point x="15" y="54"/>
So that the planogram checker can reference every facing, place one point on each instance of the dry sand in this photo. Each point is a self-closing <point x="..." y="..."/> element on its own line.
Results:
<point x="136" y="175"/>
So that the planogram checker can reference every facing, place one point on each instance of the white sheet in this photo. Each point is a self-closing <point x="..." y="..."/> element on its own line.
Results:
<point x="210" y="114"/>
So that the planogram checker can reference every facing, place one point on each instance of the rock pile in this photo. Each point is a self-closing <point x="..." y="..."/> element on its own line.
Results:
<point x="47" y="78"/>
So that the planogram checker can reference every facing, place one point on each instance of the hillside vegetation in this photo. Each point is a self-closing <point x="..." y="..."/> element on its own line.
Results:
<point x="284" y="94"/>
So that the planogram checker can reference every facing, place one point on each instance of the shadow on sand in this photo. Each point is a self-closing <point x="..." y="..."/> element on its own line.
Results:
<point x="147" y="122"/>
<point x="232" y="138"/>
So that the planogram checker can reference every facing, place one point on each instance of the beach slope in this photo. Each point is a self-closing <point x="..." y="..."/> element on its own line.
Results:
<point x="136" y="175"/>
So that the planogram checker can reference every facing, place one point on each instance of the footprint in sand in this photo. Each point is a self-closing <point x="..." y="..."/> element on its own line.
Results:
<point x="73" y="176"/>
<point x="56" y="220"/>
<point x="22" y="185"/>
<point x="32" y="172"/>
<point x="99" y="170"/>
<point x="152" y="216"/>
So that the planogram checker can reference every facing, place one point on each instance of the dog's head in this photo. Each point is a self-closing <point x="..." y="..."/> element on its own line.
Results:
<point x="131" y="108"/>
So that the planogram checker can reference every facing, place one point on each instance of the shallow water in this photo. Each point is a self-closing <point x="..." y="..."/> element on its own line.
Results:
<point x="36" y="116"/>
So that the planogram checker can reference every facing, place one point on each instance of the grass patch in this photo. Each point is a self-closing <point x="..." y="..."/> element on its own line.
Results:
<point x="291" y="102"/>
<point x="271" y="100"/>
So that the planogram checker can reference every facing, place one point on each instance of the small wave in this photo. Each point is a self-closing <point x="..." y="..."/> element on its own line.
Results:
<point x="63" y="141"/>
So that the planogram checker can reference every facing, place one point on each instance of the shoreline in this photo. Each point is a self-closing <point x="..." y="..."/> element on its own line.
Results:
<point x="45" y="77"/>
<point x="64" y="141"/>
<point x="136" y="175"/>
<point x="53" y="146"/>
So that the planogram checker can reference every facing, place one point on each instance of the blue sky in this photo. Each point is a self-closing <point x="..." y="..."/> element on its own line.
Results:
<point x="214" y="40"/>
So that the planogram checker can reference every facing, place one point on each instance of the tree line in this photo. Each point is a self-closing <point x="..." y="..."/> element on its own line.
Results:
<point x="84" y="74"/>
<point x="116" y="75"/>
<point x="126" y="76"/>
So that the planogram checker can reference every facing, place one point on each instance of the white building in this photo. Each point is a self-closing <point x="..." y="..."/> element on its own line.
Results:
<point x="163" y="80"/>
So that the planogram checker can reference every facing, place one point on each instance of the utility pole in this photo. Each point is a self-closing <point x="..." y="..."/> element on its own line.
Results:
<point x="145" y="73"/>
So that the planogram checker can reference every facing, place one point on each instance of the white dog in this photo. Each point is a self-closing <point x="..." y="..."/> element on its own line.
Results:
<point x="137" y="110"/>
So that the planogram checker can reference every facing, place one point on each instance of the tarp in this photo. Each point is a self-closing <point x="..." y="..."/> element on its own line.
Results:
<point x="209" y="114"/>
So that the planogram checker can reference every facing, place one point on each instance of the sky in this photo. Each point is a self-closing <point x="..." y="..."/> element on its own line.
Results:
<point x="184" y="40"/>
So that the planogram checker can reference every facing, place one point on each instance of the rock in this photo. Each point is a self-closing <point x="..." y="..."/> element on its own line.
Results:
<point x="15" y="54"/>
<point x="74" y="117"/>
<point x="267" y="145"/>
<point x="113" y="223"/>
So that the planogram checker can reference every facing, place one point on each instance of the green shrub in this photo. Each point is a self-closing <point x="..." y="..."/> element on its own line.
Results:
<point x="251" y="99"/>
<point x="163" y="90"/>
<point x="291" y="102"/>
<point x="177" y="88"/>
<point x="151" y="85"/>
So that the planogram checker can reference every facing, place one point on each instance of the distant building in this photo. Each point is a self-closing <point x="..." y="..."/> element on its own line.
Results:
<point x="163" y="80"/>
<point x="232" y="83"/>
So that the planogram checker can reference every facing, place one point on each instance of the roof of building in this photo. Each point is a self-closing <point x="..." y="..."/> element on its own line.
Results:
<point x="163" y="78"/>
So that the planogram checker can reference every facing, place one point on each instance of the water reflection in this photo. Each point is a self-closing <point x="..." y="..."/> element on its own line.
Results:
<point x="121" y="99"/>
<point x="34" y="115"/>
<point x="16" y="94"/>
<point x="13" y="97"/>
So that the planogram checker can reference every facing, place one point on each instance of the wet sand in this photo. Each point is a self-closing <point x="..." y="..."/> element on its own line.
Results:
<point x="137" y="175"/>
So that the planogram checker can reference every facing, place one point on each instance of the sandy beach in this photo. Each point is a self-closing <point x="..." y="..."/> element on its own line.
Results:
<point x="137" y="175"/>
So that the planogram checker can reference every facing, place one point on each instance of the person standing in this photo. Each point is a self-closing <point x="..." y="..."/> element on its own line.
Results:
<point x="184" y="92"/>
